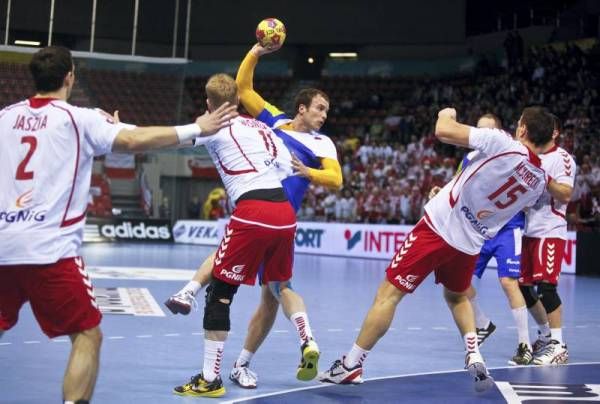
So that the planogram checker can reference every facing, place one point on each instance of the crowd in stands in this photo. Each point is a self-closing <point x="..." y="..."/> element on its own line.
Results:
<point x="391" y="159"/>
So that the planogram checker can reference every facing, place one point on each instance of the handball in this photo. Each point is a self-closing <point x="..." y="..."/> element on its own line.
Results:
<point x="270" y="33"/>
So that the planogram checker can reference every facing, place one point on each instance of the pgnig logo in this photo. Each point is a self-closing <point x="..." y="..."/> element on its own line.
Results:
<point x="26" y="215"/>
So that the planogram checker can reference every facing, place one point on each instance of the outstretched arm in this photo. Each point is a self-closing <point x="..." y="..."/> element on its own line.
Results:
<point x="251" y="100"/>
<point x="141" y="139"/>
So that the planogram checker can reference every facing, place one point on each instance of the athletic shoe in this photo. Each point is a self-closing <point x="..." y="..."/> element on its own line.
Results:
<point x="338" y="373"/>
<point x="243" y="377"/>
<point x="524" y="356"/>
<point x="181" y="302"/>
<point x="554" y="353"/>
<point x="476" y="368"/>
<point x="484" y="333"/>
<point x="540" y="343"/>
<point x="309" y="363"/>
<point x="198" y="387"/>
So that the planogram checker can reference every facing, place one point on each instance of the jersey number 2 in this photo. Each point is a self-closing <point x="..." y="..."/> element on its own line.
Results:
<point x="509" y="191"/>
<point x="22" y="173"/>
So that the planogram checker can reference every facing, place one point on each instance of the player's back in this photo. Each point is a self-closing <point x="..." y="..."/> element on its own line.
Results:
<point x="46" y="151"/>
<point x="547" y="217"/>
<point x="248" y="156"/>
<point x="502" y="179"/>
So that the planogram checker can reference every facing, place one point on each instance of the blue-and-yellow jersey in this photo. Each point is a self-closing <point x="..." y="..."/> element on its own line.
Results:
<point x="314" y="150"/>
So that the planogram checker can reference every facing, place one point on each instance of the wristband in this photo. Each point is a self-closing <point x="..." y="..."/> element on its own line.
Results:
<point x="188" y="132"/>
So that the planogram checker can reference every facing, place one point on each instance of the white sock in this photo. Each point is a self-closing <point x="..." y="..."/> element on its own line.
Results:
<point x="470" y="340"/>
<point x="213" y="355"/>
<point x="192" y="286"/>
<point x="481" y="320"/>
<point x="356" y="356"/>
<point x="520" y="316"/>
<point x="545" y="331"/>
<point x="300" y="320"/>
<point x="556" y="334"/>
<point x="244" y="358"/>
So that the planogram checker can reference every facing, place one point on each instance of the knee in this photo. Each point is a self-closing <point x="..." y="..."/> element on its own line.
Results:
<point x="453" y="298"/>
<point x="92" y="337"/>
<point x="509" y="284"/>
<point x="529" y="294"/>
<point x="549" y="297"/>
<point x="219" y="296"/>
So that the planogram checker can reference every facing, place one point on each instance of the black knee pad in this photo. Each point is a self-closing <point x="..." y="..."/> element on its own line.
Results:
<point x="549" y="296"/>
<point x="216" y="313"/>
<point x="530" y="295"/>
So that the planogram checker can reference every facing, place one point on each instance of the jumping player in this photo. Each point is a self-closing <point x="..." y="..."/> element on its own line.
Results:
<point x="314" y="159"/>
<point x="261" y="231"/>
<point x="505" y="177"/>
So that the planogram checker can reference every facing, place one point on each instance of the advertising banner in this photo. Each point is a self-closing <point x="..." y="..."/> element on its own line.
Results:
<point x="123" y="229"/>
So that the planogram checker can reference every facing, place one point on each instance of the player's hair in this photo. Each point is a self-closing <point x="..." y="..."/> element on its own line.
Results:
<point x="221" y="88"/>
<point x="495" y="118"/>
<point x="539" y="124"/>
<point x="305" y="97"/>
<point x="49" y="66"/>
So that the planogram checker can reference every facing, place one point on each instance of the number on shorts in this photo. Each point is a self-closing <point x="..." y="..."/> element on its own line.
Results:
<point x="509" y="191"/>
<point x="22" y="173"/>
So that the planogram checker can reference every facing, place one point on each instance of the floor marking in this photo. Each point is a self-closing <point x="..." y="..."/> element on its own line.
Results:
<point x="281" y="331"/>
<point x="335" y="330"/>
<point x="175" y="334"/>
<point x="116" y="337"/>
<point x="31" y="342"/>
<point x="144" y="336"/>
<point x="60" y="340"/>
<point x="5" y="343"/>
<point x="439" y="328"/>
<point x="414" y="328"/>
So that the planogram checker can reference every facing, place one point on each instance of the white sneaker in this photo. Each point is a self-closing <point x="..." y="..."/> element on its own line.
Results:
<point x="476" y="367"/>
<point x="554" y="353"/>
<point x="243" y="377"/>
<point x="338" y="373"/>
<point x="181" y="302"/>
<point x="540" y="343"/>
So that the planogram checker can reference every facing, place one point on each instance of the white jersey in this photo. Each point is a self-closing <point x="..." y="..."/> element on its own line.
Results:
<point x="502" y="178"/>
<point x="547" y="217"/>
<point x="47" y="148"/>
<point x="248" y="156"/>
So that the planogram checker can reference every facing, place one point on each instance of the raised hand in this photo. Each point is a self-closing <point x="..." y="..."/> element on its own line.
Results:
<point x="210" y="123"/>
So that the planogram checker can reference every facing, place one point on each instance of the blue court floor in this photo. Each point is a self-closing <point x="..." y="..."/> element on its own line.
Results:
<point x="420" y="359"/>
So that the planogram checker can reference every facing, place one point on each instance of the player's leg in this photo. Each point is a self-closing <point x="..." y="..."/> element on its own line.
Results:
<point x="183" y="301"/>
<point x="82" y="368"/>
<point x="508" y="257"/>
<point x="555" y="351"/>
<point x="530" y="265"/>
<point x="456" y="282"/>
<point x="259" y="327"/>
<point x="484" y="326"/>
<point x="408" y="268"/>
<point x="63" y="302"/>
<point x="217" y="323"/>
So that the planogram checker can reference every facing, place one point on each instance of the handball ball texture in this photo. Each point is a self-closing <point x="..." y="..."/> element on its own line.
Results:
<point x="270" y="33"/>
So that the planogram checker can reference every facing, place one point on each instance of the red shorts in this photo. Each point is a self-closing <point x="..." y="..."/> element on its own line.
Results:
<point x="259" y="232"/>
<point x="541" y="260"/>
<point x="425" y="251"/>
<point x="61" y="296"/>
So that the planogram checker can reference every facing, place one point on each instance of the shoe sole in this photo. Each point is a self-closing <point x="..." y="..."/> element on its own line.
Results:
<point x="215" y="393"/>
<point x="478" y="370"/>
<point x="177" y="308"/>
<point x="311" y="363"/>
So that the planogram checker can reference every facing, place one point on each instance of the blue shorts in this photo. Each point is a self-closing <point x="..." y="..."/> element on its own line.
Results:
<point x="506" y="248"/>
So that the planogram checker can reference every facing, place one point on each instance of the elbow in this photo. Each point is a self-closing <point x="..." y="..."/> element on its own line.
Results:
<point x="337" y="183"/>
<point x="564" y="197"/>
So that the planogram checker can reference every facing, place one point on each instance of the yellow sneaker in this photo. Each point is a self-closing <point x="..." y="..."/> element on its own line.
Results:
<point x="198" y="387"/>
<point x="308" y="368"/>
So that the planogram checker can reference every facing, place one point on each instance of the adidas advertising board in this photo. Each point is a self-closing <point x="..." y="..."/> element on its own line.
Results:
<point x="123" y="229"/>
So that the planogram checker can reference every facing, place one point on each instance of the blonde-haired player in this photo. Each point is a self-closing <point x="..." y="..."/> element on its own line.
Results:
<point x="314" y="160"/>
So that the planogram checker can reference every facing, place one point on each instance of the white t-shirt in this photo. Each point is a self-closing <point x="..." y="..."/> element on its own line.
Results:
<point x="248" y="156"/>
<point x="501" y="180"/>
<point x="47" y="148"/>
<point x="547" y="217"/>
